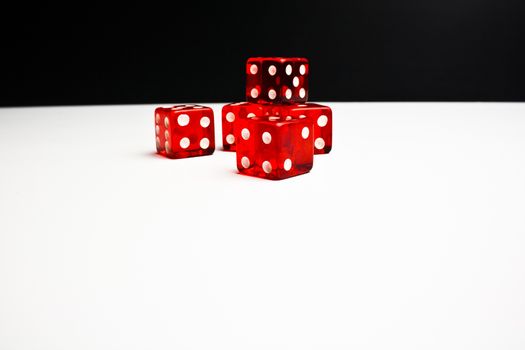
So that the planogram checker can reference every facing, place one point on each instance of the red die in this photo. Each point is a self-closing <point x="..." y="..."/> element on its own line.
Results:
<point x="184" y="131"/>
<point x="235" y="111"/>
<point x="274" y="147"/>
<point x="277" y="80"/>
<point x="321" y="117"/>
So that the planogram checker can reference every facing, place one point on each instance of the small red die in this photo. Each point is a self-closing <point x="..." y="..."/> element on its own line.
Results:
<point x="184" y="131"/>
<point x="235" y="111"/>
<point x="321" y="117"/>
<point x="274" y="147"/>
<point x="277" y="80"/>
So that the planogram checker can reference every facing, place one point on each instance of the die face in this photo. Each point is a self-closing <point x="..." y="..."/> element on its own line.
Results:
<point x="277" y="80"/>
<point x="235" y="111"/>
<point x="321" y="117"/>
<point x="185" y="131"/>
<point x="230" y="113"/>
<point x="160" y="130"/>
<point x="273" y="148"/>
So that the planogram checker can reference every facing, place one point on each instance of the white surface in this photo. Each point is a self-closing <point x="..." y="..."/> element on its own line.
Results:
<point x="409" y="235"/>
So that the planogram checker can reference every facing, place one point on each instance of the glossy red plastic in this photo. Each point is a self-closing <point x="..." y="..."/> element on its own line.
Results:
<point x="232" y="112"/>
<point x="277" y="80"/>
<point x="184" y="131"/>
<point x="274" y="147"/>
<point x="321" y="117"/>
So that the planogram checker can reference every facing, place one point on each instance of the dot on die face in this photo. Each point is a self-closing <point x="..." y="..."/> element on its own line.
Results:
<point x="166" y="122"/>
<point x="287" y="164"/>
<point x="157" y="118"/>
<point x="245" y="133"/>
<point x="183" y="119"/>
<point x="205" y="122"/>
<point x="166" y="134"/>
<point x="295" y="81"/>
<point x="157" y="129"/>
<point x="272" y="94"/>
<point x="302" y="69"/>
<point x="253" y="69"/>
<point x="302" y="93"/>
<point x="288" y="94"/>
<point x="158" y="142"/>
<point x="230" y="117"/>
<point x="230" y="139"/>
<point x="289" y="69"/>
<point x="322" y="120"/>
<point x="266" y="137"/>
<point x="250" y="115"/>
<point x="205" y="143"/>
<point x="184" y="142"/>
<point x="254" y="93"/>
<point x="245" y="162"/>
<point x="305" y="132"/>
<point x="272" y="70"/>
<point x="319" y="143"/>
<point x="267" y="167"/>
<point x="167" y="146"/>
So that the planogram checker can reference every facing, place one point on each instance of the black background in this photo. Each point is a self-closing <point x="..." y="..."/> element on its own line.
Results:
<point x="93" y="53"/>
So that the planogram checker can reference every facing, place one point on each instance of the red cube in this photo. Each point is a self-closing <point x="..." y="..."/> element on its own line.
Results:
<point x="184" y="131"/>
<point x="274" y="147"/>
<point x="277" y="80"/>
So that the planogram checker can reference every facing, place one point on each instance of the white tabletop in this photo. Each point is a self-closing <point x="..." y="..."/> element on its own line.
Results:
<point x="410" y="234"/>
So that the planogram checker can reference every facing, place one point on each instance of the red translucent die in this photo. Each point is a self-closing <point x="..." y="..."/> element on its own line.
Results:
<point x="184" y="131"/>
<point x="277" y="80"/>
<point x="273" y="147"/>
<point x="235" y="111"/>
<point x="321" y="117"/>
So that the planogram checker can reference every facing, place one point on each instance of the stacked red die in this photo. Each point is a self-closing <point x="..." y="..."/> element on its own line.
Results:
<point x="184" y="131"/>
<point x="276" y="95"/>
<point x="277" y="80"/>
